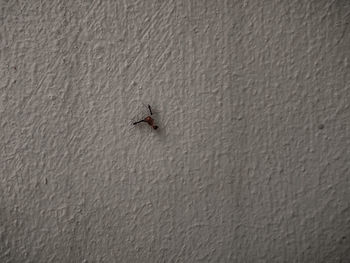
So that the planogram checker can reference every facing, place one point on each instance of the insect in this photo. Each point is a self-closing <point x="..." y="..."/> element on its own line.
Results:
<point x="149" y="120"/>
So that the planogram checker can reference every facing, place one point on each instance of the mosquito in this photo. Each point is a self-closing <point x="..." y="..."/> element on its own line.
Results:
<point x="149" y="120"/>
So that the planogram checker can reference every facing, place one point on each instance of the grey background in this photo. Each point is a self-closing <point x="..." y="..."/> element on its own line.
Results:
<point x="251" y="163"/>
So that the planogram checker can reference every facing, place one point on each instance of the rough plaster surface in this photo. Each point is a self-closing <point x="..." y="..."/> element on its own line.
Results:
<point x="251" y="163"/>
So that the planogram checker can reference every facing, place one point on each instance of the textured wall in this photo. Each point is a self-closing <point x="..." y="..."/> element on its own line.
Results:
<point x="251" y="163"/>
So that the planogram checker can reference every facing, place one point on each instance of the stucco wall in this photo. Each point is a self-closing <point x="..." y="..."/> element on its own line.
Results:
<point x="251" y="161"/>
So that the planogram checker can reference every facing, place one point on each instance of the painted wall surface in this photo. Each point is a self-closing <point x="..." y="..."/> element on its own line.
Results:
<point x="251" y="161"/>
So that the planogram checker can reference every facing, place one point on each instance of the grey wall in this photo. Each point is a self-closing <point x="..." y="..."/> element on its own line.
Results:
<point x="251" y="163"/>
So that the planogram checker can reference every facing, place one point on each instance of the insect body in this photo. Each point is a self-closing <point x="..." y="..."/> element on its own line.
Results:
<point x="149" y="120"/>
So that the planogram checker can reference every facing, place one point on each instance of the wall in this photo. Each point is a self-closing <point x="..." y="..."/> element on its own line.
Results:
<point x="251" y="161"/>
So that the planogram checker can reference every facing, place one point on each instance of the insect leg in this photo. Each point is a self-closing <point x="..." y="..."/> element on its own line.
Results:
<point x="150" y="110"/>
<point x="138" y="122"/>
